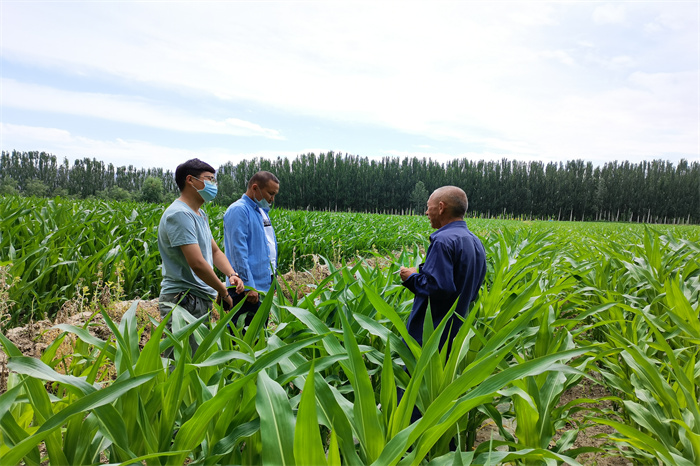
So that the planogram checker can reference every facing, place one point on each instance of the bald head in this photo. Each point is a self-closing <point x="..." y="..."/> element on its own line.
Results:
<point x="455" y="200"/>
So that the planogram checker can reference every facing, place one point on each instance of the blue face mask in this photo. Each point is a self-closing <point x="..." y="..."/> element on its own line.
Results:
<point x="263" y="204"/>
<point x="209" y="191"/>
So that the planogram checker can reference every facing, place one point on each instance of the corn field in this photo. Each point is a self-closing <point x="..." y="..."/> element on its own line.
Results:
<point x="317" y="385"/>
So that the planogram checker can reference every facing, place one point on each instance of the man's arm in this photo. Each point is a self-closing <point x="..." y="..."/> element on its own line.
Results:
<point x="222" y="263"/>
<point x="435" y="276"/>
<point x="201" y="268"/>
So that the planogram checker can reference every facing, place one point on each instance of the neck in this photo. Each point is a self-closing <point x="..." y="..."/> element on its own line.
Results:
<point x="450" y="220"/>
<point x="193" y="200"/>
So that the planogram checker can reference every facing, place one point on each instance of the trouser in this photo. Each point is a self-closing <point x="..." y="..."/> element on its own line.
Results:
<point x="193" y="304"/>
<point x="247" y="309"/>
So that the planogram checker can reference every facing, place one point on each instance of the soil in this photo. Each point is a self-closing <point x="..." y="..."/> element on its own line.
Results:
<point x="33" y="339"/>
<point x="591" y="436"/>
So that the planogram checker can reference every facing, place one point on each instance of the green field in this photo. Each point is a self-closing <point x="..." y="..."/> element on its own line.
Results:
<point x="562" y="302"/>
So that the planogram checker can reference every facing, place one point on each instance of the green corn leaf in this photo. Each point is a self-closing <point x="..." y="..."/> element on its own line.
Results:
<point x="192" y="432"/>
<point x="276" y="422"/>
<point x="88" y="402"/>
<point x="228" y="443"/>
<point x="88" y="338"/>
<point x="260" y="319"/>
<point x="333" y="452"/>
<point x="365" y="407"/>
<point x="384" y="309"/>
<point x="443" y="413"/>
<point x="387" y="393"/>
<point x="308" y="447"/>
<point x="37" y="369"/>
<point x="41" y="404"/>
<point x="340" y="422"/>
<point x="681" y="312"/>
<point x="272" y="357"/>
<point x="646" y="443"/>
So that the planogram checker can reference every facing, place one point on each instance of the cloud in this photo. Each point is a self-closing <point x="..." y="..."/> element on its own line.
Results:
<point x="457" y="74"/>
<point x="666" y="21"/>
<point x="558" y="55"/>
<point x="609" y="14"/>
<point x="364" y="71"/>
<point x="141" y="154"/>
<point x="616" y="63"/>
<point x="123" y="108"/>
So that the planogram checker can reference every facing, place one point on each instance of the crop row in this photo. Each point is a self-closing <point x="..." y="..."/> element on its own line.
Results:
<point x="56" y="247"/>
<point x="320" y="385"/>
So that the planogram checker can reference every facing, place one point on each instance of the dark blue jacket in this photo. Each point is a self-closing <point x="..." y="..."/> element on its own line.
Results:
<point x="454" y="267"/>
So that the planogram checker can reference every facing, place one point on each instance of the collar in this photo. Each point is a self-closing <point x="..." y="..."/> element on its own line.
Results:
<point x="459" y="224"/>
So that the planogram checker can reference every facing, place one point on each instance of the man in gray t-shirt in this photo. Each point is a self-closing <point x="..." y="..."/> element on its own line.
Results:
<point x="188" y="250"/>
<point x="180" y="226"/>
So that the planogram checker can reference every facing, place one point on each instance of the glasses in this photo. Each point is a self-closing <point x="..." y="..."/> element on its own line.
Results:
<point x="211" y="179"/>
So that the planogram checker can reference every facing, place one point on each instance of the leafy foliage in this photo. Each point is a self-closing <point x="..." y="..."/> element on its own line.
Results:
<point x="649" y="192"/>
<point x="319" y="385"/>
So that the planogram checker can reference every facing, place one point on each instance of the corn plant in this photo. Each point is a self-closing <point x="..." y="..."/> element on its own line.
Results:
<point x="320" y="384"/>
<point x="645" y="309"/>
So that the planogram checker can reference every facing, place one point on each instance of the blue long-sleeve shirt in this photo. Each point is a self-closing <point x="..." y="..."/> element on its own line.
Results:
<point x="245" y="244"/>
<point x="454" y="267"/>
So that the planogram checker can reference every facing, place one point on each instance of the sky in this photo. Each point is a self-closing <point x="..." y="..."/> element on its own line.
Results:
<point x="152" y="84"/>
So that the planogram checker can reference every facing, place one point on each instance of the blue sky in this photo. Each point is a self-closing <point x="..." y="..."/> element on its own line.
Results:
<point x="155" y="83"/>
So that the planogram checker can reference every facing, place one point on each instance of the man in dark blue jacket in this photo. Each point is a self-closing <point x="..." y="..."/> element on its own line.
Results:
<point x="454" y="267"/>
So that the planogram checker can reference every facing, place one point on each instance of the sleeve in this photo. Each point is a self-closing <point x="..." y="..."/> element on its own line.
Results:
<point x="435" y="275"/>
<point x="180" y="229"/>
<point x="236" y="232"/>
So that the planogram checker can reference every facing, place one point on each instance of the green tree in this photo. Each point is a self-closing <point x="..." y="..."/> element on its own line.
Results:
<point x="36" y="188"/>
<point x="601" y="194"/>
<point x="419" y="197"/>
<point x="60" y="192"/>
<point x="8" y="186"/>
<point x="115" y="193"/>
<point x="227" y="192"/>
<point x="152" y="190"/>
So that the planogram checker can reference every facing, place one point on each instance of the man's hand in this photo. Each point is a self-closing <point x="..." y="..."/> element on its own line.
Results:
<point x="252" y="297"/>
<point x="406" y="272"/>
<point x="226" y="301"/>
<point x="236" y="281"/>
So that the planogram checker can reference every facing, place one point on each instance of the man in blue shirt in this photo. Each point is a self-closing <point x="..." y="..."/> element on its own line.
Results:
<point x="454" y="267"/>
<point x="250" y="243"/>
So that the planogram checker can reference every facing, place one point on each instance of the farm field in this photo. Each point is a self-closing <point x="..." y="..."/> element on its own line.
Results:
<point x="563" y="304"/>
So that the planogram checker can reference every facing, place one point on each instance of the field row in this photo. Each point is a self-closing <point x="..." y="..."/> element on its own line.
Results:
<point x="54" y="249"/>
<point x="319" y="386"/>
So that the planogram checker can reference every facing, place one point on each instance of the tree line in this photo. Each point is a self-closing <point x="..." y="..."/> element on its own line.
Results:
<point x="648" y="191"/>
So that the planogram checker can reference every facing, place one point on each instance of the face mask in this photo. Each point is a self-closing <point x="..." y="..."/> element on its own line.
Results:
<point x="209" y="191"/>
<point x="263" y="204"/>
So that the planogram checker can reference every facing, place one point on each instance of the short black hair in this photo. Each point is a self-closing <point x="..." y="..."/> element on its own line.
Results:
<point x="262" y="178"/>
<point x="194" y="167"/>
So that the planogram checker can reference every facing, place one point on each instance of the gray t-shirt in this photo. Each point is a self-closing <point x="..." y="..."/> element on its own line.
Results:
<point x="178" y="226"/>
